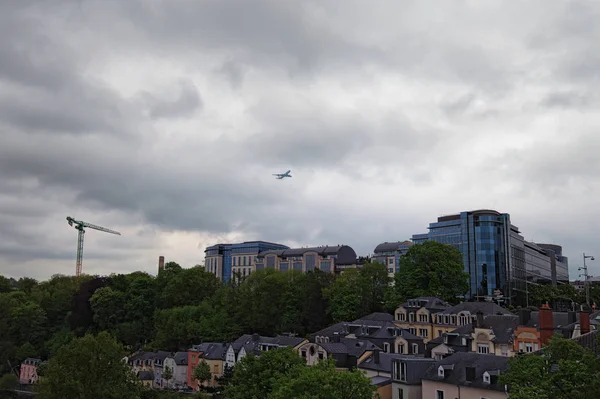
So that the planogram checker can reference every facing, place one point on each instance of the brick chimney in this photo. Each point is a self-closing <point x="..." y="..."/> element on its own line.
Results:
<point x="584" y="320"/>
<point x="546" y="324"/>
<point x="161" y="263"/>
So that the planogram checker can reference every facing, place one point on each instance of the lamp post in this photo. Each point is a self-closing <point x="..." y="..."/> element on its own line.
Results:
<point x="586" y="276"/>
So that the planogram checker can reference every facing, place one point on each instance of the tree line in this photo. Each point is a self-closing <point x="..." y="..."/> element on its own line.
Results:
<point x="184" y="306"/>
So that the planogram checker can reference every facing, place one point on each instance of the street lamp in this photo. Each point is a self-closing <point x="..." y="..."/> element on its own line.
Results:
<point x="586" y="276"/>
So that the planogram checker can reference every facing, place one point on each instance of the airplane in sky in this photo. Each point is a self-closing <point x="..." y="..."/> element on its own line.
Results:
<point x="282" y="175"/>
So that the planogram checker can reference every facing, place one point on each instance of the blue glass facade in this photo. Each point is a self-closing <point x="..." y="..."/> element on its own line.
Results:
<point x="483" y="238"/>
<point x="248" y="250"/>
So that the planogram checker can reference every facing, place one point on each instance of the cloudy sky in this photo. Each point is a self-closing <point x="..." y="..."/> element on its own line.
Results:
<point x="165" y="119"/>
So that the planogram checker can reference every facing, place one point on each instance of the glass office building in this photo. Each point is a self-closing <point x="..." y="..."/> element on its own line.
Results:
<point x="496" y="256"/>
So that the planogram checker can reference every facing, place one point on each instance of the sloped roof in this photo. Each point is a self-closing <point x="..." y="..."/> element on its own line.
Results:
<point x="428" y="302"/>
<point x="460" y="361"/>
<point x="378" y="316"/>
<point x="145" y="375"/>
<point x="211" y="350"/>
<point x="487" y="308"/>
<point x="181" y="358"/>
<point x="416" y="367"/>
<point x="391" y="246"/>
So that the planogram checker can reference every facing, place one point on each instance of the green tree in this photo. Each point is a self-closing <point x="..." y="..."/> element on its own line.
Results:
<point x="27" y="324"/>
<point x="563" y="370"/>
<point x="27" y="284"/>
<point x="202" y="372"/>
<point x="344" y="297"/>
<point x="26" y="350"/>
<point x="256" y="377"/>
<point x="9" y="382"/>
<point x="167" y="374"/>
<point x="107" y="306"/>
<point x="5" y="285"/>
<point x="323" y="381"/>
<point x="431" y="269"/>
<point x="89" y="367"/>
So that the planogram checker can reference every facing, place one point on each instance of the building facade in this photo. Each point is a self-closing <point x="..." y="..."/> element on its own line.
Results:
<point x="227" y="260"/>
<point x="329" y="259"/>
<point x="389" y="253"/>
<point x="496" y="256"/>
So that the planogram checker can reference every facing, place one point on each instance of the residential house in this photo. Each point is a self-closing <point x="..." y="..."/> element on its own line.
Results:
<point x="466" y="376"/>
<point x="417" y="316"/>
<point x="407" y="372"/>
<point x="178" y="363"/>
<point x="347" y="352"/>
<point x="485" y="334"/>
<point x="213" y="353"/>
<point x="148" y="361"/>
<point x="378" y="328"/>
<point x="146" y="377"/>
<point x="28" y="372"/>
<point x="254" y="343"/>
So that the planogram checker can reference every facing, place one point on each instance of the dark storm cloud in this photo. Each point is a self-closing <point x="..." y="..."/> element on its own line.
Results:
<point x="106" y="154"/>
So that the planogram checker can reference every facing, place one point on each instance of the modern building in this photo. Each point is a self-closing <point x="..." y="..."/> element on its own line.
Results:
<point x="226" y="260"/>
<point x="389" y="254"/>
<point x="329" y="259"/>
<point x="496" y="256"/>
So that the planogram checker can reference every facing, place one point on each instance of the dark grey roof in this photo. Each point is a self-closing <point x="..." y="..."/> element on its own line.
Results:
<point x="391" y="246"/>
<point x="487" y="308"/>
<point x="416" y="367"/>
<point x="559" y="319"/>
<point x="357" y="347"/>
<point x="456" y="375"/>
<point x="335" y="347"/>
<point x="384" y="364"/>
<point x="211" y="350"/>
<point x="157" y="355"/>
<point x="253" y="342"/>
<point x="589" y="341"/>
<point x="428" y="302"/>
<point x="181" y="358"/>
<point x="145" y="375"/>
<point x="329" y="331"/>
<point x="378" y="316"/>
<point x="381" y="381"/>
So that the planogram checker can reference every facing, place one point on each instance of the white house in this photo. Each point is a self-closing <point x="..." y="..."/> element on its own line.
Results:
<point x="178" y="363"/>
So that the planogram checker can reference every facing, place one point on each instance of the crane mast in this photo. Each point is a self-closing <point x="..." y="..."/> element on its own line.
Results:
<point x="80" y="227"/>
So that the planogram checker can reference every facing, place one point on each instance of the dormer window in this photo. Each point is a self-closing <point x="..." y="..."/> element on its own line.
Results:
<point x="441" y="372"/>
<point x="486" y="377"/>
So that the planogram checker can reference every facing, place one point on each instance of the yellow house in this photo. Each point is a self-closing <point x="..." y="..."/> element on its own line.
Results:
<point x="431" y="318"/>
<point x="418" y="315"/>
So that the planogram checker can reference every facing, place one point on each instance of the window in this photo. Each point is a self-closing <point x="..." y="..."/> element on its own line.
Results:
<point x="504" y="350"/>
<point x="401" y="348"/>
<point x="423" y="318"/>
<point x="439" y="394"/>
<point x="304" y="354"/>
<point x="386" y="347"/>
<point x="486" y="378"/>
<point x="528" y="347"/>
<point x="402" y="371"/>
<point x="423" y="332"/>
<point x="400" y="393"/>
<point x="401" y="316"/>
<point x="411" y="317"/>
<point x="483" y="348"/>
<point x="440" y="332"/>
<point x="321" y="355"/>
<point x="415" y="348"/>
<point x="412" y="330"/>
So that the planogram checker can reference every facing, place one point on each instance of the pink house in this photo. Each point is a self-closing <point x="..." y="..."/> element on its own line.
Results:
<point x="29" y="371"/>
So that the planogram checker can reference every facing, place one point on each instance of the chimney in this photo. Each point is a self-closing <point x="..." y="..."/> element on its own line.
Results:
<point x="524" y="316"/>
<point x="376" y="356"/>
<point x="546" y="325"/>
<point x="584" y="320"/>
<point x="161" y="263"/>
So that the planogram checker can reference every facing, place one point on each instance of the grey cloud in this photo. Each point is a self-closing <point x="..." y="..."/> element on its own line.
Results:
<point x="186" y="103"/>
<point x="233" y="72"/>
<point x="570" y="99"/>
